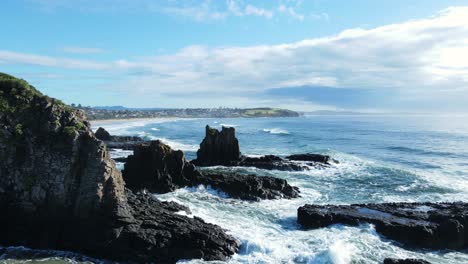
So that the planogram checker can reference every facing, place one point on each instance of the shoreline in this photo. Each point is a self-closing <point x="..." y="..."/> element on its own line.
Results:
<point x="132" y="119"/>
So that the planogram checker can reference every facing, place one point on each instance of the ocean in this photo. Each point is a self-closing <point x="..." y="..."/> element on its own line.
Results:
<point x="382" y="158"/>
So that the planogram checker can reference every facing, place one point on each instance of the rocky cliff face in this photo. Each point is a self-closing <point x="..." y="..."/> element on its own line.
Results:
<point x="59" y="189"/>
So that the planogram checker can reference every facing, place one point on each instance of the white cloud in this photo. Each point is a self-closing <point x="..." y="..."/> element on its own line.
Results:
<point x="253" y="10"/>
<point x="425" y="57"/>
<point x="199" y="10"/>
<point x="290" y="11"/>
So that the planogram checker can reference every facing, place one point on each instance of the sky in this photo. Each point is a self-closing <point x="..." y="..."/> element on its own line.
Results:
<point x="305" y="55"/>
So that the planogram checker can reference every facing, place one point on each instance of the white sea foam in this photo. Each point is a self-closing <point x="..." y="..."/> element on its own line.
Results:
<point x="178" y="145"/>
<point x="120" y="153"/>
<point x="228" y="125"/>
<point x="341" y="252"/>
<point x="155" y="129"/>
<point x="276" y="131"/>
<point x="121" y="127"/>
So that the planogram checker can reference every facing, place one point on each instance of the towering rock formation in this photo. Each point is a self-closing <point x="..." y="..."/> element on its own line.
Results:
<point x="222" y="148"/>
<point x="59" y="189"/>
<point x="218" y="147"/>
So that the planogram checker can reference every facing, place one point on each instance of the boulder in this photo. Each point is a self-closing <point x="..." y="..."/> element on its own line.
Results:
<point x="102" y="134"/>
<point x="158" y="168"/>
<point x="421" y="225"/>
<point x="60" y="190"/>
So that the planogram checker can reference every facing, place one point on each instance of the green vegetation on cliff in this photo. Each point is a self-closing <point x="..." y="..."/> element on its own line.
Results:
<point x="25" y="111"/>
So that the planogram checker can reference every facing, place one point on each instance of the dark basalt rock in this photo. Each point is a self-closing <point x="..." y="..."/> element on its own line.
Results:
<point x="270" y="162"/>
<point x="102" y="134"/>
<point x="222" y="148"/>
<point x="160" y="235"/>
<point x="118" y="142"/>
<point x="59" y="189"/>
<point x="158" y="168"/>
<point x="405" y="261"/>
<point x="249" y="187"/>
<point x="325" y="159"/>
<point x="218" y="147"/>
<point x="422" y="225"/>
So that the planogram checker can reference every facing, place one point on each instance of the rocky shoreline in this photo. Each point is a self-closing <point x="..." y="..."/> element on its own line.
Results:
<point x="415" y="225"/>
<point x="60" y="190"/>
<point x="159" y="169"/>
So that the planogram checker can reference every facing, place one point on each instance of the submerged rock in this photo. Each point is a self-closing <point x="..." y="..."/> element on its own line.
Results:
<point x="423" y="225"/>
<point x="59" y="189"/>
<point x="118" y="142"/>
<point x="405" y="261"/>
<point x="158" y="168"/>
<point x="222" y="148"/>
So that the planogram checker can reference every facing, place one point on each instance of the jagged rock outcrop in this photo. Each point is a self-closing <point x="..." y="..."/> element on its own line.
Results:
<point x="59" y="189"/>
<point x="160" y="235"/>
<point x="405" y="261"/>
<point x="118" y="142"/>
<point x="422" y="225"/>
<point x="222" y="148"/>
<point x="158" y="168"/>
<point x="218" y="147"/>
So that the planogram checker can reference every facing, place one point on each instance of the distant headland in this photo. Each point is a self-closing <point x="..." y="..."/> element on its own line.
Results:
<point x="120" y="112"/>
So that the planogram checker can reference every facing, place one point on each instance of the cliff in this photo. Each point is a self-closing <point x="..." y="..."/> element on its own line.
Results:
<point x="59" y="189"/>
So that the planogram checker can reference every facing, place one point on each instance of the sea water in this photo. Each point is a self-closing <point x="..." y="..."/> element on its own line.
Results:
<point x="383" y="158"/>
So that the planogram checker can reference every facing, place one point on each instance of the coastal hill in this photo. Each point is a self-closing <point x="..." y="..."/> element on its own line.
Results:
<point x="120" y="112"/>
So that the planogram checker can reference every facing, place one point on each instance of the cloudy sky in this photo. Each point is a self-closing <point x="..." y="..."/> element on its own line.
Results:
<point x="360" y="55"/>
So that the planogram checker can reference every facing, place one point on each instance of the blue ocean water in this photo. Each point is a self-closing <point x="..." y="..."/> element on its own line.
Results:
<point x="383" y="158"/>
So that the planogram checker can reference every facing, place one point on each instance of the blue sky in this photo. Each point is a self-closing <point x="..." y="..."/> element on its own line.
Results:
<point x="361" y="55"/>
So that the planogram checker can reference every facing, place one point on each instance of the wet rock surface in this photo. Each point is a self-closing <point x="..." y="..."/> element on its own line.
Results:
<point x="405" y="261"/>
<point x="160" y="235"/>
<point x="59" y="189"/>
<point x="158" y="168"/>
<point x="249" y="187"/>
<point x="318" y="158"/>
<point x="421" y="225"/>
<point x="222" y="148"/>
